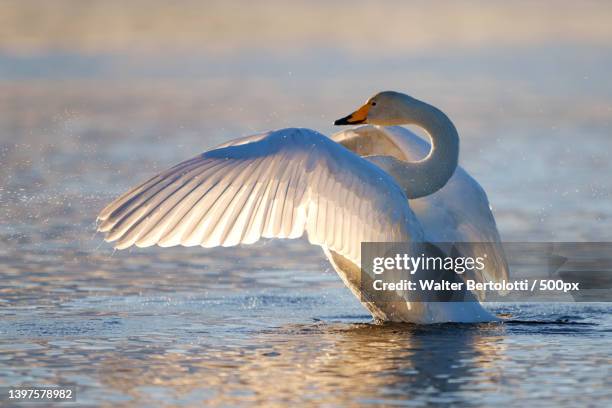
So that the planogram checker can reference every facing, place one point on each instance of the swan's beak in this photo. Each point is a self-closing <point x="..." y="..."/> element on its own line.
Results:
<point x="355" y="118"/>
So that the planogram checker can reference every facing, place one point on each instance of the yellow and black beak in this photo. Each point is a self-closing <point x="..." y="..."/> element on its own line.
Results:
<point x="355" y="118"/>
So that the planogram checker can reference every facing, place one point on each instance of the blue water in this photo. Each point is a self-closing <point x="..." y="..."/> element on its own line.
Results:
<point x="182" y="327"/>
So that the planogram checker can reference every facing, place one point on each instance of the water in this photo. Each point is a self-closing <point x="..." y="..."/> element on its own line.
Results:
<point x="84" y="117"/>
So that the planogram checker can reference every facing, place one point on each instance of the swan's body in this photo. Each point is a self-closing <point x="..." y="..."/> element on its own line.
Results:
<point x="285" y="183"/>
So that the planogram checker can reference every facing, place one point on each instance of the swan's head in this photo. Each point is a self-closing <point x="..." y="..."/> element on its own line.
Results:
<point x="386" y="108"/>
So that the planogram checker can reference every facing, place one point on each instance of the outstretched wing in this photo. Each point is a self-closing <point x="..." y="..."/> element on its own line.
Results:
<point x="458" y="213"/>
<point x="275" y="185"/>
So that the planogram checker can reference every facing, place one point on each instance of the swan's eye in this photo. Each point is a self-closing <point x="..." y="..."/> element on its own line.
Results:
<point x="373" y="103"/>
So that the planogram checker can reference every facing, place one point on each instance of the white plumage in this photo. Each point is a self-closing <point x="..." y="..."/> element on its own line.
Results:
<point x="369" y="184"/>
<point x="279" y="185"/>
<point x="458" y="213"/>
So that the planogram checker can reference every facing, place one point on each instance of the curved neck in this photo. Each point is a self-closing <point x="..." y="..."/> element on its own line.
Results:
<point x="428" y="175"/>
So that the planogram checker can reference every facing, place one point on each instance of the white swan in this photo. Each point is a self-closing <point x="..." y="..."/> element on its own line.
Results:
<point x="283" y="183"/>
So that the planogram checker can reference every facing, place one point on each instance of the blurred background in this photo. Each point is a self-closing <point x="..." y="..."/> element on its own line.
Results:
<point x="96" y="96"/>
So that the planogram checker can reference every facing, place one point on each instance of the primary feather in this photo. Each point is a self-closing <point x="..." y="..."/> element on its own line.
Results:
<point x="274" y="185"/>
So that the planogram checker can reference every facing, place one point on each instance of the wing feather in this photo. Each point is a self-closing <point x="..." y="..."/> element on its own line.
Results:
<point x="276" y="185"/>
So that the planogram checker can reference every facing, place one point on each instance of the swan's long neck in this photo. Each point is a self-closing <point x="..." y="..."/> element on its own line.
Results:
<point x="428" y="175"/>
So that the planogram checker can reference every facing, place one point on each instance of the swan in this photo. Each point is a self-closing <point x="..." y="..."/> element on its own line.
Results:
<point x="375" y="183"/>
